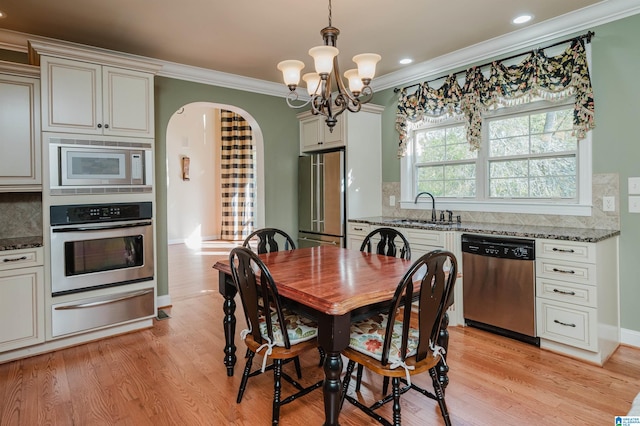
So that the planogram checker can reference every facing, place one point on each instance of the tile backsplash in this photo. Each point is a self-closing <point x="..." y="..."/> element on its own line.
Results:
<point x="606" y="184"/>
<point x="20" y="214"/>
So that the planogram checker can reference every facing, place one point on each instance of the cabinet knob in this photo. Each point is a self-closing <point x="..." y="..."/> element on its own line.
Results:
<point x="99" y="126"/>
<point x="106" y="126"/>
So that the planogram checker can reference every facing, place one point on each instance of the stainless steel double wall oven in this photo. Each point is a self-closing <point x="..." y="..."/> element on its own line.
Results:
<point x="97" y="246"/>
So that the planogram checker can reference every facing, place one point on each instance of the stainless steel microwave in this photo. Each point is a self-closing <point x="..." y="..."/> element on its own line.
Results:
<point x="100" y="166"/>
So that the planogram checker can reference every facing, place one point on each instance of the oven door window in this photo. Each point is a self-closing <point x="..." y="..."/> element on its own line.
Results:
<point x="105" y="254"/>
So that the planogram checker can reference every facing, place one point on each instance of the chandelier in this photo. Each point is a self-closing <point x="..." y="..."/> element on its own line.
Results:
<point x="322" y="83"/>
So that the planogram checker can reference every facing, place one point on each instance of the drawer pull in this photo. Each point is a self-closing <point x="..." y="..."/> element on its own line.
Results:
<point x="564" y="250"/>
<point x="563" y="323"/>
<point x="358" y="229"/>
<point x="563" y="271"/>
<point x="570" y="293"/>
<point x="15" y="259"/>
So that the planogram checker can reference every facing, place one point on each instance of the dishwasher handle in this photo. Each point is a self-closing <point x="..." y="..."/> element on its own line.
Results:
<point x="502" y="248"/>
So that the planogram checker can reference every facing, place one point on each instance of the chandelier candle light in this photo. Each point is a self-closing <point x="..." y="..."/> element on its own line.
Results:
<point x="320" y="84"/>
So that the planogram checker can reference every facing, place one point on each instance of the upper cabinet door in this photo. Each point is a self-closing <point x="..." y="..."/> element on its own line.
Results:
<point x="127" y="102"/>
<point x="20" y="157"/>
<point x="72" y="96"/>
<point x="81" y="97"/>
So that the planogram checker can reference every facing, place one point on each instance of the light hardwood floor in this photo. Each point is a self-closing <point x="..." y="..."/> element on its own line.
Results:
<point x="172" y="374"/>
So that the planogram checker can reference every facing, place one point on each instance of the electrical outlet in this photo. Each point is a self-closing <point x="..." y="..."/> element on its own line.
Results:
<point x="634" y="185"/>
<point x="609" y="204"/>
<point x="392" y="200"/>
<point x="634" y="204"/>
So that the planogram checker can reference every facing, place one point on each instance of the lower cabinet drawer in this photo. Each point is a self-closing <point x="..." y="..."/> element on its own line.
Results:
<point x="567" y="323"/>
<point x="583" y="273"/>
<point x="86" y="314"/>
<point x="564" y="291"/>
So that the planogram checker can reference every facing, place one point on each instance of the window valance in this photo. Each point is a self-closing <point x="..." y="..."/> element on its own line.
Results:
<point x="536" y="76"/>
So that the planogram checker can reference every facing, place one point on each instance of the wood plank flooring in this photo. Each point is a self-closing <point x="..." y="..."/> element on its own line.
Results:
<point x="172" y="374"/>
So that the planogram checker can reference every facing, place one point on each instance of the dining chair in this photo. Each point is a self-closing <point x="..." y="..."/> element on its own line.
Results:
<point x="388" y="240"/>
<point x="271" y="333"/>
<point x="402" y="342"/>
<point x="387" y="246"/>
<point x="267" y="240"/>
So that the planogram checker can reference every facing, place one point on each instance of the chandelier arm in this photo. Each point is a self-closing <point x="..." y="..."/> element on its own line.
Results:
<point x="293" y="97"/>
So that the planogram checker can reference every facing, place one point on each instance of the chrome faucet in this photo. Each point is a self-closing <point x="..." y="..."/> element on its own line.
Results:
<point x="433" y="204"/>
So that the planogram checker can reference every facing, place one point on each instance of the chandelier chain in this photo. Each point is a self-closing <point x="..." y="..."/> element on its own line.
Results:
<point x="330" y="13"/>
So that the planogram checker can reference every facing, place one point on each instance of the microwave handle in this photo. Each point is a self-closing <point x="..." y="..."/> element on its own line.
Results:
<point x="101" y="227"/>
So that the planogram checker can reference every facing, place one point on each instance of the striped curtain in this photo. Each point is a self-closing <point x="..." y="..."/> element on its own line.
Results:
<point x="237" y="177"/>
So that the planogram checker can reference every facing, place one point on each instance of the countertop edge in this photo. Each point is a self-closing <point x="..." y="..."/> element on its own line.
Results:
<point x="588" y="235"/>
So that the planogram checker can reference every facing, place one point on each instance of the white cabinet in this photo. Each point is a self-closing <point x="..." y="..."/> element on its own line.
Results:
<point x="577" y="297"/>
<point x="423" y="241"/>
<point x="355" y="235"/>
<point x="20" y="147"/>
<point x="21" y="298"/>
<point x="315" y="135"/>
<point x="88" y="98"/>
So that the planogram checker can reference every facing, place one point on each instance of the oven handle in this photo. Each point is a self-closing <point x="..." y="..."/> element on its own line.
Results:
<point x="104" y="302"/>
<point x="101" y="228"/>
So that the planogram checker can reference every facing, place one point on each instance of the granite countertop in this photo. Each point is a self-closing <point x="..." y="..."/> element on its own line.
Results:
<point x="526" y="231"/>
<point x="20" y="243"/>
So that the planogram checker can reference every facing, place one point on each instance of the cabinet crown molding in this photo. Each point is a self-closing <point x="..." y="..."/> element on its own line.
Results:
<point x="79" y="52"/>
<point x="22" y="70"/>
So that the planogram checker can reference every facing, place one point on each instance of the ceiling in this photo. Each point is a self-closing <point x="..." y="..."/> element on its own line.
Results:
<point x="249" y="37"/>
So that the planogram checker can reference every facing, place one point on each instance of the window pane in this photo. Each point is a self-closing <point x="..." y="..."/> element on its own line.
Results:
<point x="552" y="121"/>
<point x="509" y="146"/>
<point x="560" y="141"/>
<point x="509" y="127"/>
<point x="460" y="188"/>
<point x="553" y="187"/>
<point x="563" y="166"/>
<point x="509" y="188"/>
<point x="507" y="169"/>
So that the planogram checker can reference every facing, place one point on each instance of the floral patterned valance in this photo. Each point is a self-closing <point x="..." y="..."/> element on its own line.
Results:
<point x="551" y="78"/>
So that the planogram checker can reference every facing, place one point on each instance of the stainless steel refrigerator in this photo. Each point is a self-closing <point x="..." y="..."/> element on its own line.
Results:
<point x="321" y="199"/>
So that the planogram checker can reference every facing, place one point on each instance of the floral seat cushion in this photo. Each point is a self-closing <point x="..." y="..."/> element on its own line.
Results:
<point x="367" y="337"/>
<point x="298" y="328"/>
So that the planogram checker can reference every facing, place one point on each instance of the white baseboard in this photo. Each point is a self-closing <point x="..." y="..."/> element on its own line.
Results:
<point x="162" y="301"/>
<point x="630" y="337"/>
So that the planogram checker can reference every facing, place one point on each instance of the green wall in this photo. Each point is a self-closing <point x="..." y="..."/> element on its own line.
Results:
<point x="616" y="146"/>
<point x="279" y="128"/>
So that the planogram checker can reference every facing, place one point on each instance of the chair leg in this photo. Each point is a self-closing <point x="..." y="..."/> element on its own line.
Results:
<point x="347" y="379"/>
<point x="395" y="389"/>
<point x="385" y="385"/>
<point x="277" y="390"/>
<point x="323" y="355"/>
<point x="359" y="377"/>
<point x="437" y="387"/>
<point x="245" y="375"/>
<point x="296" y="362"/>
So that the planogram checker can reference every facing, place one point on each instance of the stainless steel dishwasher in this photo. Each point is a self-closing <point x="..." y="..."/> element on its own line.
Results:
<point x="499" y="285"/>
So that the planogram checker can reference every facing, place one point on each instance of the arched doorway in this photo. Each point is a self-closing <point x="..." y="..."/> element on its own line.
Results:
<point x="194" y="201"/>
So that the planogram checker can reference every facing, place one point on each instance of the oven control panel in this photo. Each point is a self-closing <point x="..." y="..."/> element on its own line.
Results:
<point x="90" y="213"/>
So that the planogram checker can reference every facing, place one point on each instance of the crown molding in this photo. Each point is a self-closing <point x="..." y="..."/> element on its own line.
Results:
<point x="526" y="38"/>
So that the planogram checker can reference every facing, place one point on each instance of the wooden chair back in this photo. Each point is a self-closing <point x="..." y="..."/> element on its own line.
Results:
<point x="258" y="293"/>
<point x="388" y="243"/>
<point x="269" y="240"/>
<point x="431" y="278"/>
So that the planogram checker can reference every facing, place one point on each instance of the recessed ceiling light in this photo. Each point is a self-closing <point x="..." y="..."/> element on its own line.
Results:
<point x="406" y="61"/>
<point x="2" y="14"/>
<point x="522" y="19"/>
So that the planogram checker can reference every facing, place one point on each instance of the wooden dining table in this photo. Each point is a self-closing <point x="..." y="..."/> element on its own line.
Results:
<point x="335" y="286"/>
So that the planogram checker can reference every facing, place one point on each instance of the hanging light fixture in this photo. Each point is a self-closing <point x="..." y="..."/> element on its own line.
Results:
<point x="327" y="78"/>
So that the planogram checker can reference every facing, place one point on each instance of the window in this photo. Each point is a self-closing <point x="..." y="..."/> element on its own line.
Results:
<point x="528" y="157"/>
